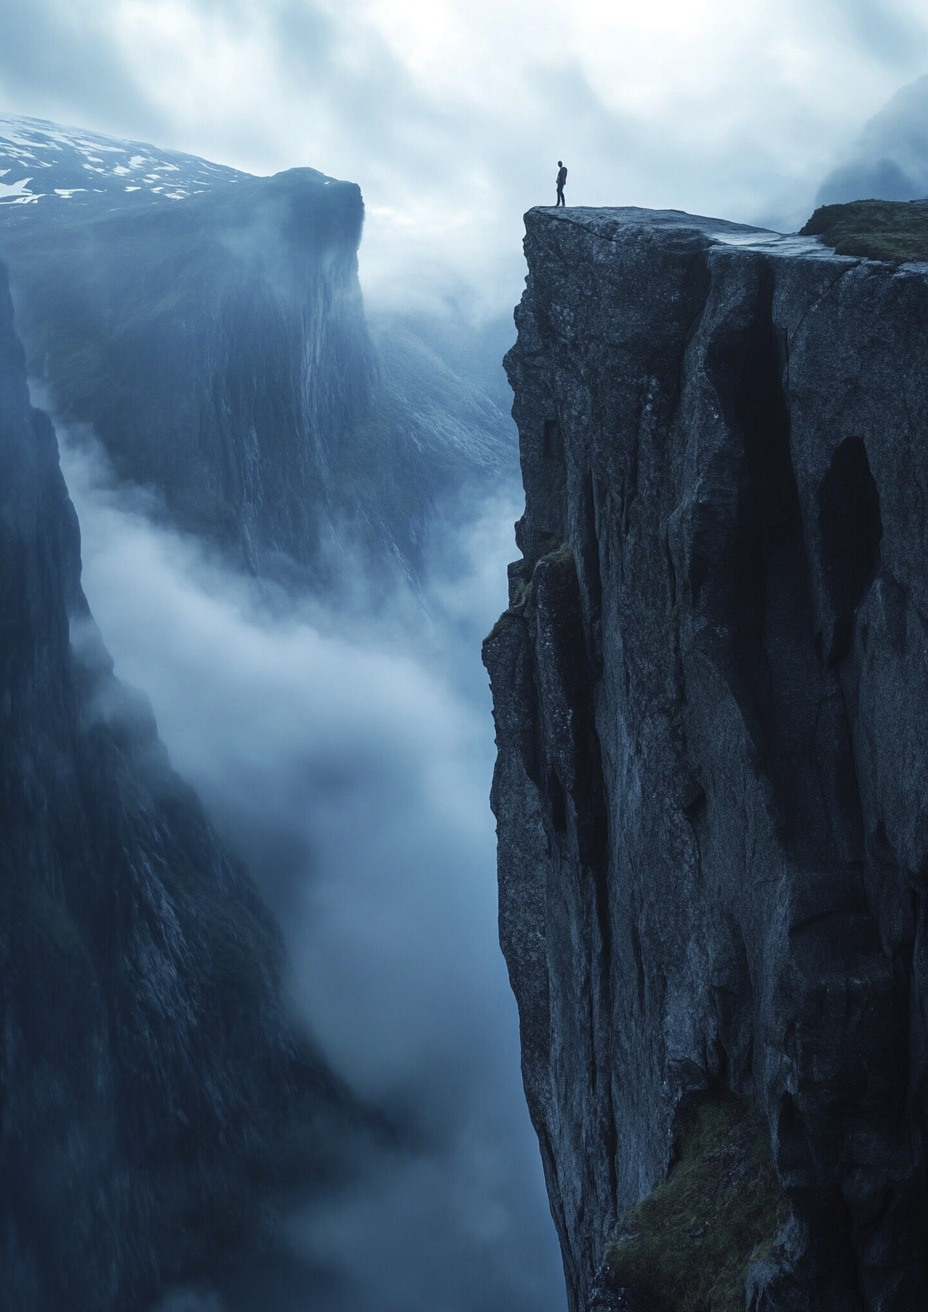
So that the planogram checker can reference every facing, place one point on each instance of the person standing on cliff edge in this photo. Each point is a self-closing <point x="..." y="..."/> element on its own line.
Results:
<point x="561" y="179"/>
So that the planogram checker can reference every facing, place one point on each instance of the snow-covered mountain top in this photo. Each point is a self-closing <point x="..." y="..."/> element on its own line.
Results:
<point x="45" y="163"/>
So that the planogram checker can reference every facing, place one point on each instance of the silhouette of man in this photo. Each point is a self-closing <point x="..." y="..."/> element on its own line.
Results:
<point x="561" y="179"/>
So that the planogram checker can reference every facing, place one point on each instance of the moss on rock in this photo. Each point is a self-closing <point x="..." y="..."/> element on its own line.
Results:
<point x="502" y="623"/>
<point x="689" y="1245"/>
<point x="896" y="231"/>
<point x="561" y="556"/>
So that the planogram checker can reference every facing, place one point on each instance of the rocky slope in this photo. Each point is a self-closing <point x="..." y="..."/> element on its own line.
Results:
<point x="208" y="327"/>
<point x="712" y="715"/>
<point x="151" y="1090"/>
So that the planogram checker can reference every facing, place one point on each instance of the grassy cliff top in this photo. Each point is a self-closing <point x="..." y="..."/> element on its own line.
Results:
<point x="878" y="229"/>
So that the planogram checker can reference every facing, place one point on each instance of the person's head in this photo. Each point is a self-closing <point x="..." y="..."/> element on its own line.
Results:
<point x="560" y="163"/>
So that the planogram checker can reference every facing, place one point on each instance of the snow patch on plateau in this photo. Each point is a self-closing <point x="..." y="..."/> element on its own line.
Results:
<point x="65" y="154"/>
<point x="16" y="192"/>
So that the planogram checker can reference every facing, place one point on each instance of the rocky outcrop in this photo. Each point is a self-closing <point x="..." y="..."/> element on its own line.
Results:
<point x="151" y="1089"/>
<point x="712" y="716"/>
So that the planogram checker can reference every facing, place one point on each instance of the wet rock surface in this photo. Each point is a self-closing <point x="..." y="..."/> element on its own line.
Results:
<point x="712" y="718"/>
<point x="152" y="1092"/>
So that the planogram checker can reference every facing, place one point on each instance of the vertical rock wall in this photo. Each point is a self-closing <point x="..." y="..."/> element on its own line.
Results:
<point x="711" y="698"/>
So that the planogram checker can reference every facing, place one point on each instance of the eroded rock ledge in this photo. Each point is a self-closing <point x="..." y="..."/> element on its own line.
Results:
<point x="711" y="697"/>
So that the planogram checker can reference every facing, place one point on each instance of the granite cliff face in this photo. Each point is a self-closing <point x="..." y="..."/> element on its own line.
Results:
<point x="711" y="699"/>
<point x="151" y="1089"/>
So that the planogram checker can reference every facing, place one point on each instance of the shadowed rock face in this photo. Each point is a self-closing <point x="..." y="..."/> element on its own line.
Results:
<point x="712" y="716"/>
<point x="147" y="1069"/>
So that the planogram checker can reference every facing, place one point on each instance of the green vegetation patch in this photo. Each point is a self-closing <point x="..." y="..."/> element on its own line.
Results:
<point x="878" y="229"/>
<point x="688" y="1246"/>
<point x="561" y="556"/>
<point x="502" y="623"/>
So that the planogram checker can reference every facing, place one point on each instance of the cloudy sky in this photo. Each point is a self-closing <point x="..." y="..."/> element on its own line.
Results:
<point x="451" y="114"/>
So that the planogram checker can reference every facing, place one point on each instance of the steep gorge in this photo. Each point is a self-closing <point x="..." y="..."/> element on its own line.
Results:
<point x="711" y="704"/>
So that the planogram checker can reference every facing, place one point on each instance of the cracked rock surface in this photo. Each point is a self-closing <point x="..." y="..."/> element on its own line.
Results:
<point x="711" y="699"/>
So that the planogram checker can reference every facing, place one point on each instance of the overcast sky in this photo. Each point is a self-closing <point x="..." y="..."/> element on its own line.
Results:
<point x="451" y="114"/>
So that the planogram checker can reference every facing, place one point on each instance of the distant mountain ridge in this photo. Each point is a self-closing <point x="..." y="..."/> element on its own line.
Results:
<point x="51" y="163"/>
<point x="208" y="326"/>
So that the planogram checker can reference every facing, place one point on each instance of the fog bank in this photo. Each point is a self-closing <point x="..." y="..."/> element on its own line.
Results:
<point x="349" y="760"/>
